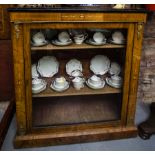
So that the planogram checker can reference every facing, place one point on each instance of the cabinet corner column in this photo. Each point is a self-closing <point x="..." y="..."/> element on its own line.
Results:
<point x="138" y="38"/>
<point x="18" y="58"/>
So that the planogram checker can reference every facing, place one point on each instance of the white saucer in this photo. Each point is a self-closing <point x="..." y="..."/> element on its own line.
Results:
<point x="38" y="90"/>
<point x="59" y="43"/>
<point x="59" y="89"/>
<point x="108" y="81"/>
<point x="92" y="42"/>
<point x="114" y="42"/>
<point x="95" y="87"/>
<point x="41" y="44"/>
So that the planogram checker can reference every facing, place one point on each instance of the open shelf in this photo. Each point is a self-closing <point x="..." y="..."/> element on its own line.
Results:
<point x="75" y="46"/>
<point x="73" y="92"/>
<point x="75" y="110"/>
<point x="48" y="92"/>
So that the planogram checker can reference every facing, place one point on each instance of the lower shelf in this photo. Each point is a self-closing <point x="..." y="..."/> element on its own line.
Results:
<point x="73" y="110"/>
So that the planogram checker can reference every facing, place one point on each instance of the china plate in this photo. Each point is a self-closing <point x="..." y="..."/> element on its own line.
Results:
<point x="115" y="68"/>
<point x="48" y="66"/>
<point x="41" y="44"/>
<point x="73" y="65"/>
<point x="108" y="81"/>
<point x="114" y="42"/>
<point x="100" y="64"/>
<point x="58" y="43"/>
<point x="52" y="86"/>
<point x="34" y="71"/>
<point x="95" y="87"/>
<point x="92" y="42"/>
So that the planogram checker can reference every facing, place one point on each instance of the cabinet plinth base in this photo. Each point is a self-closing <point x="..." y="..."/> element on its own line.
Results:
<point x="87" y="135"/>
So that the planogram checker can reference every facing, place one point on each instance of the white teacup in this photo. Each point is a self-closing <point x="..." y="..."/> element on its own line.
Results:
<point x="76" y="73"/>
<point x="37" y="83"/>
<point x="115" y="68"/>
<point x="95" y="80"/>
<point x="98" y="37"/>
<point x="115" y="79"/>
<point x="78" y="83"/>
<point x="63" y="37"/>
<point x="38" y="38"/>
<point x="60" y="82"/>
<point x="118" y="37"/>
<point x="79" y="38"/>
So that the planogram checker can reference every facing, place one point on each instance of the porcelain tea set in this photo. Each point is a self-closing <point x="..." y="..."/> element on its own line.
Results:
<point x="48" y="66"/>
<point x="38" y="85"/>
<point x="65" y="38"/>
<point x="38" y="39"/>
<point x="59" y="84"/>
<point x="117" y="38"/>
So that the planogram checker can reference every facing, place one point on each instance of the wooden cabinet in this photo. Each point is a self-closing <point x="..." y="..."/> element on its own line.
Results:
<point x="51" y="118"/>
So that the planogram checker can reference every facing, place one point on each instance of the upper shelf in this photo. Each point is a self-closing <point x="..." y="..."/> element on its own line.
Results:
<point x="75" y="46"/>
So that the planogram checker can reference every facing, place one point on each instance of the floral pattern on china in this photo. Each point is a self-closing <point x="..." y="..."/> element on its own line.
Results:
<point x="48" y="66"/>
<point x="100" y="64"/>
<point x="73" y="65"/>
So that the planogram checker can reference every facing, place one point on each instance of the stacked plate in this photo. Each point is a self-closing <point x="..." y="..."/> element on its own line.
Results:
<point x="100" y="64"/>
<point x="48" y="66"/>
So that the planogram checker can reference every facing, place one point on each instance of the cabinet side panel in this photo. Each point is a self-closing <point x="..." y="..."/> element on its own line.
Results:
<point x="135" y="73"/>
<point x="17" y="39"/>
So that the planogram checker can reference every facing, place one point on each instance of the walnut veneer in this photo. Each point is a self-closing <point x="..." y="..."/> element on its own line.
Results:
<point x="104" y="114"/>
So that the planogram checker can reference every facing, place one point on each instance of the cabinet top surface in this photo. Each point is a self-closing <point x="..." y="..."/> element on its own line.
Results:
<point x="78" y="9"/>
<point x="76" y="14"/>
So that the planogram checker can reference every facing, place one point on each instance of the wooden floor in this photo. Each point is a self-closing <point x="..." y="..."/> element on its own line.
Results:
<point x="73" y="110"/>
